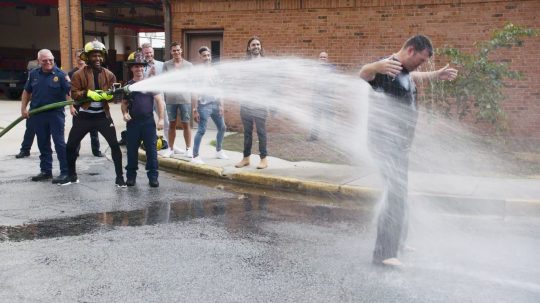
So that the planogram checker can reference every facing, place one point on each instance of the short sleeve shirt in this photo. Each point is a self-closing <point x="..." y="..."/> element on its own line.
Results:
<point x="401" y="88"/>
<point x="178" y="98"/>
<point x="47" y="88"/>
<point x="140" y="103"/>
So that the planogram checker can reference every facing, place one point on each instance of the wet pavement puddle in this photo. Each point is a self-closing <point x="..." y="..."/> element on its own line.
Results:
<point x="247" y="210"/>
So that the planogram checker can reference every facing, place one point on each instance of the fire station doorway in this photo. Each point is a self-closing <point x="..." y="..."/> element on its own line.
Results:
<point x="195" y="39"/>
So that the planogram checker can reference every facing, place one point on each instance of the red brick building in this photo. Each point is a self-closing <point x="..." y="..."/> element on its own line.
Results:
<point x="353" y="32"/>
<point x="356" y="32"/>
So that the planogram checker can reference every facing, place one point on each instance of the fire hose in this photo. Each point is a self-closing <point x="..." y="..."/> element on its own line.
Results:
<point x="116" y="90"/>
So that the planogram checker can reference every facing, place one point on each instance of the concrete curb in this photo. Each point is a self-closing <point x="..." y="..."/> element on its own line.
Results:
<point x="267" y="181"/>
<point x="315" y="187"/>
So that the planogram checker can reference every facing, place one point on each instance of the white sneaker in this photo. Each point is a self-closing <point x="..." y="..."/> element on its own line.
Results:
<point x="221" y="155"/>
<point x="178" y="150"/>
<point x="197" y="160"/>
<point x="166" y="153"/>
<point x="189" y="152"/>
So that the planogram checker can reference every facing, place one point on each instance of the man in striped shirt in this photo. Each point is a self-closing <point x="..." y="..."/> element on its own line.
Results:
<point x="89" y="84"/>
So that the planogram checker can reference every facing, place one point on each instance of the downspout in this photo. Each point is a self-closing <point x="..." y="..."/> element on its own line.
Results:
<point x="167" y="24"/>
<point x="70" y="43"/>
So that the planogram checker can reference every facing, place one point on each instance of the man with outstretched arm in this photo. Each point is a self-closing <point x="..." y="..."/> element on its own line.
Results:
<point x="391" y="128"/>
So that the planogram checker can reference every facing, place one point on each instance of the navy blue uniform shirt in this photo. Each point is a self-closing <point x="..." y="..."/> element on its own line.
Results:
<point x="47" y="88"/>
<point x="140" y="104"/>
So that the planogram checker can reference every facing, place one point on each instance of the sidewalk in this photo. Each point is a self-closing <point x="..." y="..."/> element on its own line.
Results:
<point x="309" y="177"/>
<point x="362" y="182"/>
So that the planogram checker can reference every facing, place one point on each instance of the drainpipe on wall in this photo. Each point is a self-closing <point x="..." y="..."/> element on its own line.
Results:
<point x="167" y="24"/>
<point x="70" y="44"/>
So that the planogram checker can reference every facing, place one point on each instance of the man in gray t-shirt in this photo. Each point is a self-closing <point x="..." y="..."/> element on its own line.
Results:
<point x="178" y="105"/>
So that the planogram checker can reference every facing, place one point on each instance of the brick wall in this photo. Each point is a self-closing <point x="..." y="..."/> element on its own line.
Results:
<point x="70" y="24"/>
<point x="356" y="32"/>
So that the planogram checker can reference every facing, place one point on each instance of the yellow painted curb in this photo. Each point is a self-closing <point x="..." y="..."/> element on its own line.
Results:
<point x="360" y="192"/>
<point x="202" y="169"/>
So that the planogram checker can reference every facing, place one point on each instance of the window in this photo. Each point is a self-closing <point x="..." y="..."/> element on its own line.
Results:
<point x="157" y="39"/>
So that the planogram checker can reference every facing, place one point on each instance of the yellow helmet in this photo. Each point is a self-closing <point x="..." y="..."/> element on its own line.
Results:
<point x="93" y="47"/>
<point x="160" y="143"/>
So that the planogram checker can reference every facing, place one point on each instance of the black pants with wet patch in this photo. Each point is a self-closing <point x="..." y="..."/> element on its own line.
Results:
<point x="391" y="130"/>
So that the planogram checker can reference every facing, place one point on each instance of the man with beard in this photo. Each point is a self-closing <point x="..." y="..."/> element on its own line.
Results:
<point x="88" y="86"/>
<point x="94" y="137"/>
<point x="391" y="127"/>
<point x="254" y="114"/>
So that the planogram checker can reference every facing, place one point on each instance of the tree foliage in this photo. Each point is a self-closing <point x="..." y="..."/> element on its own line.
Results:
<point x="481" y="79"/>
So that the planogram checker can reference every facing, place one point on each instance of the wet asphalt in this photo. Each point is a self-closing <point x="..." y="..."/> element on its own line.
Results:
<point x="200" y="240"/>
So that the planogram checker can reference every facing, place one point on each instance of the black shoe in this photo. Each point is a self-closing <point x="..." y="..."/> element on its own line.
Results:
<point x="73" y="179"/>
<point x="154" y="183"/>
<point x="122" y="142"/>
<point x="61" y="179"/>
<point x="120" y="182"/>
<point x="98" y="154"/>
<point x="42" y="177"/>
<point x="22" y="154"/>
<point x="130" y="182"/>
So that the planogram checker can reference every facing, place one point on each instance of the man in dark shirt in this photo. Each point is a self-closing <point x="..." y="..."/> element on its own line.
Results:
<point x="138" y="112"/>
<point x="46" y="85"/>
<point x="391" y="127"/>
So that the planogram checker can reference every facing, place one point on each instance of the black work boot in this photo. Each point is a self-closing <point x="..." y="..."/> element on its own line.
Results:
<point x="154" y="183"/>
<point x="130" y="182"/>
<point x="98" y="153"/>
<point x="22" y="154"/>
<point x="42" y="177"/>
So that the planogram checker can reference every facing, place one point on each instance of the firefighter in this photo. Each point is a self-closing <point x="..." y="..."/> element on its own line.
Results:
<point x="137" y="109"/>
<point x="45" y="85"/>
<point x="88" y="88"/>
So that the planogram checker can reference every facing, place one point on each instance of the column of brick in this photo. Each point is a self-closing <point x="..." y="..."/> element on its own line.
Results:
<point x="70" y="23"/>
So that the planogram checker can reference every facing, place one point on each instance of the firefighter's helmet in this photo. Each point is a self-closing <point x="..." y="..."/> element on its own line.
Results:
<point x="136" y="58"/>
<point x="94" y="46"/>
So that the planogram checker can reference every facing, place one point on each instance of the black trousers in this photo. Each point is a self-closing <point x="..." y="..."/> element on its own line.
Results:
<point x="94" y="142"/>
<point x="249" y="117"/>
<point x="391" y="130"/>
<point x="82" y="125"/>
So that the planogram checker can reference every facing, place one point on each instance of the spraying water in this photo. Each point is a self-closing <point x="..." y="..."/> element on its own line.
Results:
<point x="293" y="87"/>
<point x="288" y="87"/>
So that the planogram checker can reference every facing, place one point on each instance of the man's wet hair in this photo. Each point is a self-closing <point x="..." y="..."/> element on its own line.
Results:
<point x="173" y="44"/>
<point x="248" y="53"/>
<point x="203" y="49"/>
<point x="419" y="43"/>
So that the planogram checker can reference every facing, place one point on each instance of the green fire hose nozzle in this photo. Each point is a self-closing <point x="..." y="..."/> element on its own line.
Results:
<point x="116" y="90"/>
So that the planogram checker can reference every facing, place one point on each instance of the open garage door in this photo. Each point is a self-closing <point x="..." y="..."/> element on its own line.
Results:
<point x="34" y="24"/>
